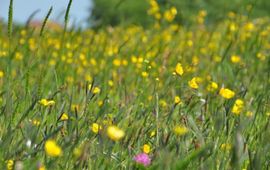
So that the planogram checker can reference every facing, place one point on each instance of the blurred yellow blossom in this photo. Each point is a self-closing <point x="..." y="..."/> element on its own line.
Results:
<point x="75" y="107"/>
<point x="261" y="56"/>
<point x="226" y="146"/>
<point x="117" y="62"/>
<point x="96" y="90"/>
<point x="1" y="74"/>
<point x="163" y="103"/>
<point x="46" y="102"/>
<point x="110" y="82"/>
<point x="96" y="127"/>
<point x="41" y="167"/>
<point x="177" y="100"/>
<point x="170" y="14"/>
<point x="152" y="134"/>
<point x="77" y="152"/>
<point x="115" y="133"/>
<point x="226" y="93"/>
<point x="212" y="86"/>
<point x="249" y="113"/>
<point x="179" y="69"/>
<point x="194" y="82"/>
<point x="52" y="149"/>
<point x="238" y="106"/>
<point x="146" y="148"/>
<point x="35" y="122"/>
<point x="10" y="164"/>
<point x="64" y="117"/>
<point x="145" y="74"/>
<point x="180" y="130"/>
<point x="235" y="59"/>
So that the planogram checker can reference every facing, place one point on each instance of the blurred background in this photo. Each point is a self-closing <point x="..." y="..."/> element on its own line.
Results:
<point x="99" y="13"/>
<point x="24" y="8"/>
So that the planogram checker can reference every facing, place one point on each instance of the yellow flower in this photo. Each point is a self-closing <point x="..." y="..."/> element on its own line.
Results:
<point x="249" y="114"/>
<point x="177" y="100"/>
<point x="125" y="62"/>
<point x="10" y="164"/>
<point x="261" y="56"/>
<point x="134" y="59"/>
<point x="179" y="69"/>
<point x="41" y="167"/>
<point x="89" y="86"/>
<point x="100" y="103"/>
<point x="64" y="117"/>
<point x="117" y="62"/>
<point x="110" y="82"/>
<point x="249" y="26"/>
<point x="77" y="152"/>
<point x="226" y="146"/>
<point x="195" y="60"/>
<point x="235" y="59"/>
<point x="52" y="149"/>
<point x="114" y="133"/>
<point x="152" y="134"/>
<point x="75" y="107"/>
<point x="190" y="43"/>
<point x="96" y="90"/>
<point x="170" y="14"/>
<point x="146" y="148"/>
<point x="238" y="106"/>
<point x="202" y="13"/>
<point x="52" y="62"/>
<point x="1" y="74"/>
<point x="18" y="56"/>
<point x="226" y="93"/>
<point x="194" y="82"/>
<point x="145" y="74"/>
<point x="233" y="27"/>
<point x="96" y="127"/>
<point x="46" y="102"/>
<point x="212" y="86"/>
<point x="163" y="103"/>
<point x="180" y="130"/>
<point x="217" y="58"/>
<point x="35" y="122"/>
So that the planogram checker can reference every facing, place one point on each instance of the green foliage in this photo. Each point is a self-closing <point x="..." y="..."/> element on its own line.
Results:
<point x="45" y="21"/>
<point x="218" y="9"/>
<point x="82" y="89"/>
<point x="116" y="12"/>
<point x="10" y="18"/>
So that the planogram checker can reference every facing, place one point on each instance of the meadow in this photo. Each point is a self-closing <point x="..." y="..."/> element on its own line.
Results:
<point x="165" y="97"/>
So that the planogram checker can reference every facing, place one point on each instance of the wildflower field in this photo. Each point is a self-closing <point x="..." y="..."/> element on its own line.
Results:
<point x="165" y="97"/>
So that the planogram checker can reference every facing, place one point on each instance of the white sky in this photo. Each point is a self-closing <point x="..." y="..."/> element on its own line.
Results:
<point x="24" y="8"/>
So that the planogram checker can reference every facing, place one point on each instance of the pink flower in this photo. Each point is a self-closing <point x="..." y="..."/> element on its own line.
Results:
<point x="142" y="158"/>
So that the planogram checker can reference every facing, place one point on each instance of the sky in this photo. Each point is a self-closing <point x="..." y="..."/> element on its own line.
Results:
<point x="24" y="8"/>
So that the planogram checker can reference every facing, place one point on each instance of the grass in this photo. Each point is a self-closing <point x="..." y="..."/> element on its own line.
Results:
<point x="134" y="69"/>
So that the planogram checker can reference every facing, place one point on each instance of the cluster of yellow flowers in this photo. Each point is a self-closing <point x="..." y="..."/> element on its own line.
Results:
<point x="238" y="106"/>
<point x="154" y="10"/>
<point x="119" y="75"/>
<point x="170" y="14"/>
<point x="113" y="132"/>
<point x="201" y="16"/>
<point x="194" y="82"/>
